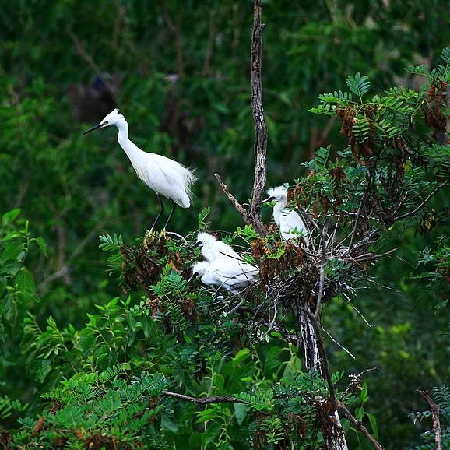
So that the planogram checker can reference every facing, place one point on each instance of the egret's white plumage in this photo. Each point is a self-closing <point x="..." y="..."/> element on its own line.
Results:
<point x="212" y="248"/>
<point x="163" y="175"/>
<point x="223" y="266"/>
<point x="289" y="222"/>
<point x="227" y="273"/>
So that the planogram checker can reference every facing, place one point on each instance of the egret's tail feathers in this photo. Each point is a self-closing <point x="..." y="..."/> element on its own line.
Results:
<point x="191" y="178"/>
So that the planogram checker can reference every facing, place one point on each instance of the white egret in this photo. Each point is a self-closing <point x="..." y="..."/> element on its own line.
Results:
<point x="226" y="272"/>
<point x="212" y="248"/>
<point x="223" y="266"/>
<point x="289" y="222"/>
<point x="164" y="176"/>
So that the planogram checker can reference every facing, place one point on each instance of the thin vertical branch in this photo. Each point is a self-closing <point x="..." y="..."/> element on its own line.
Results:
<point x="260" y="147"/>
<point x="252" y="215"/>
<point x="435" y="415"/>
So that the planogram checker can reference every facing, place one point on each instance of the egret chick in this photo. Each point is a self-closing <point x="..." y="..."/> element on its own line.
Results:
<point x="163" y="175"/>
<point x="226" y="272"/>
<point x="290" y="224"/>
<point x="212" y="248"/>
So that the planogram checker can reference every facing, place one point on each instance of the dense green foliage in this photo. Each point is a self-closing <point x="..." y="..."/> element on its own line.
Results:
<point x="93" y="333"/>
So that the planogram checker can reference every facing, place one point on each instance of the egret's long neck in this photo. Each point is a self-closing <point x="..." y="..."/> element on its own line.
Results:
<point x="280" y="205"/>
<point x="129" y="148"/>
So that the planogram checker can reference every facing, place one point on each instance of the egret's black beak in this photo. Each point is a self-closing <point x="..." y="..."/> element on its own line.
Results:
<point x="198" y="244"/>
<point x="92" y="129"/>
<point x="268" y="199"/>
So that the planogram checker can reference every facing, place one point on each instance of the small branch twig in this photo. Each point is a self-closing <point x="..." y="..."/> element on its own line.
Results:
<point x="346" y="350"/>
<point x="427" y="198"/>
<point x="435" y="415"/>
<point x="322" y="274"/>
<point x="205" y="400"/>
<point x="358" y="425"/>
<point x="240" y="209"/>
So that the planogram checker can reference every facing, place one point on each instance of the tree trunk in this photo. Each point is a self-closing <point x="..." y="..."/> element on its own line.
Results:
<point x="315" y="358"/>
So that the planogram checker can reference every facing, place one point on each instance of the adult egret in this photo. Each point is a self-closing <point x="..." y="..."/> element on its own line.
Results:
<point x="223" y="266"/>
<point x="289" y="222"/>
<point x="164" y="176"/>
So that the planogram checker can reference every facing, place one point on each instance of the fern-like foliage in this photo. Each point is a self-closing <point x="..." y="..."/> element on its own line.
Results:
<point x="8" y="407"/>
<point x="111" y="245"/>
<point x="106" y="404"/>
<point x="358" y="84"/>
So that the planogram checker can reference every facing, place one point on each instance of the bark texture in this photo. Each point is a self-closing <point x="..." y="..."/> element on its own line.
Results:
<point x="315" y="358"/>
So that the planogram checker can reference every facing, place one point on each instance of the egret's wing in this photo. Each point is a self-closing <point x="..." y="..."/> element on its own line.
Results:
<point x="233" y="273"/>
<point x="226" y="250"/>
<point x="169" y="178"/>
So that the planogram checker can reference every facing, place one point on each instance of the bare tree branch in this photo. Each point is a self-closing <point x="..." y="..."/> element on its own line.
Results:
<point x="435" y="415"/>
<point x="241" y="210"/>
<point x="358" y="425"/>
<point x="204" y="400"/>
<point x="252" y="216"/>
<point x="258" y="113"/>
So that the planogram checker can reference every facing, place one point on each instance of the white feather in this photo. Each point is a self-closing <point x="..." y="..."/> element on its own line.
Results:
<point x="226" y="272"/>
<point x="223" y="266"/>
<point x="163" y="175"/>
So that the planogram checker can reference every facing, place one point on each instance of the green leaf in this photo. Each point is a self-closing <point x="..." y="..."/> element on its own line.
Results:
<point x="25" y="282"/>
<point x="10" y="216"/>
<point x="358" y="84"/>
<point x="240" y="412"/>
<point x="373" y="424"/>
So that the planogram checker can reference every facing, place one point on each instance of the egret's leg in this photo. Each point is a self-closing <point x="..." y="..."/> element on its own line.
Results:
<point x="161" y="211"/>
<point x="170" y="215"/>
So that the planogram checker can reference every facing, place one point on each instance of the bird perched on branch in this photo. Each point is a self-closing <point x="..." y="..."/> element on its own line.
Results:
<point x="289" y="222"/>
<point x="223" y="266"/>
<point x="164" y="176"/>
<point x="213" y="249"/>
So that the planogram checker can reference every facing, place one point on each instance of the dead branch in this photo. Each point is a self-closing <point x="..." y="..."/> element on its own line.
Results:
<point x="345" y="349"/>
<point x="358" y="425"/>
<point x="204" y="400"/>
<point x="258" y="113"/>
<point x="241" y="210"/>
<point x="435" y="415"/>
<point x="322" y="274"/>
<point x="252" y="216"/>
